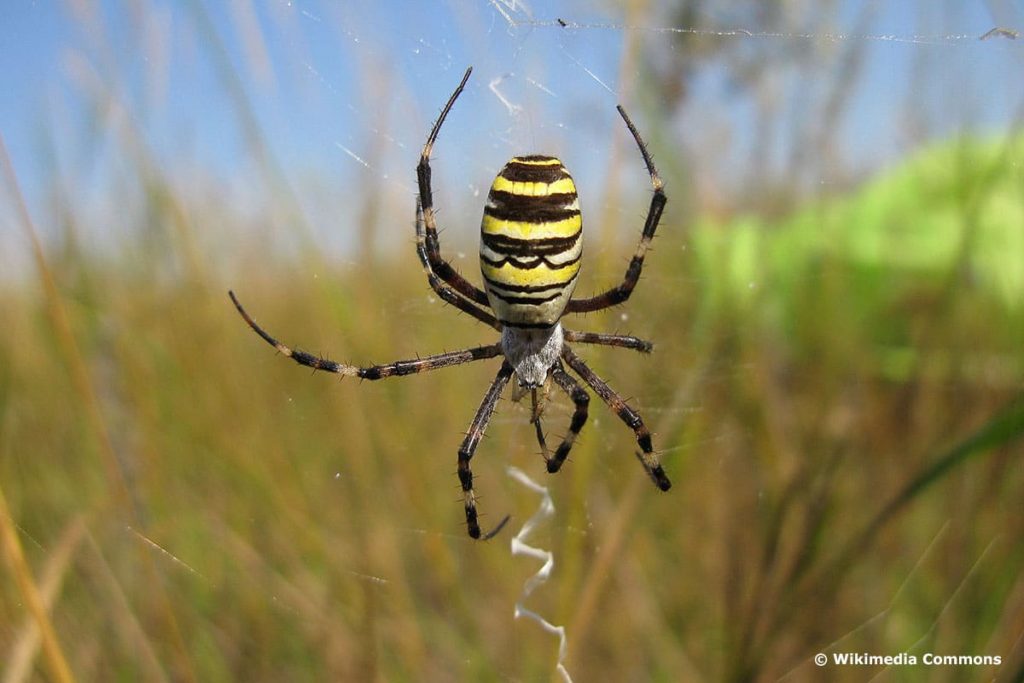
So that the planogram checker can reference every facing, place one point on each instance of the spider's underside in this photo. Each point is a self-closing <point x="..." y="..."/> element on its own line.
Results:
<point x="530" y="250"/>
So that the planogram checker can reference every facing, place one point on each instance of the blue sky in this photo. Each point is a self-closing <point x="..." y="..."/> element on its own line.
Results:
<point x="344" y="93"/>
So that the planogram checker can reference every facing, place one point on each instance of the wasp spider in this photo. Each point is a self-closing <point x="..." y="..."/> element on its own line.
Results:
<point x="531" y="242"/>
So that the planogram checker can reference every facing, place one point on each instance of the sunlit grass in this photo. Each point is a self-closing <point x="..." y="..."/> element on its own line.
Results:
<point x="841" y="432"/>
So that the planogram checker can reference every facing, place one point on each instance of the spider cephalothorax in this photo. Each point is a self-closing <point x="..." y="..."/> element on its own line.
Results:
<point x="531" y="243"/>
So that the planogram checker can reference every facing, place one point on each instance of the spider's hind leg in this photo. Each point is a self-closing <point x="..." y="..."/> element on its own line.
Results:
<point x="442" y="276"/>
<point x="621" y="292"/>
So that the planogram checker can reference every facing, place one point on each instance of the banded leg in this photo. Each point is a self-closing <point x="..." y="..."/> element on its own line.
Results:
<point x="445" y="291"/>
<point x="621" y="340"/>
<point x="398" y="368"/>
<point x="536" y="421"/>
<point x="626" y="414"/>
<point x="472" y="440"/>
<point x="621" y="292"/>
<point x="428" y="246"/>
<point x="581" y="399"/>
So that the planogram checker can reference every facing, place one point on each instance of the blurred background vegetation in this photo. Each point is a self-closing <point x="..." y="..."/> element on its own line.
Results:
<point x="835" y="389"/>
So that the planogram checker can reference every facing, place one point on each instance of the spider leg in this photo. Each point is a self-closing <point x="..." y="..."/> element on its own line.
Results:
<point x="472" y="440"/>
<point x="398" y="368"/>
<point x="535" y="419"/>
<point x="581" y="399"/>
<point x="643" y="436"/>
<point x="621" y="340"/>
<point x="621" y="292"/>
<point x="428" y="246"/>
<point x="444" y="290"/>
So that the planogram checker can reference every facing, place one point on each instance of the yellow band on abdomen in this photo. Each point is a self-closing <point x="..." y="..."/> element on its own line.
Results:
<point x="531" y="241"/>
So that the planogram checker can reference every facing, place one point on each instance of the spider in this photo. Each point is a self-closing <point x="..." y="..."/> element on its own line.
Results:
<point x="530" y="249"/>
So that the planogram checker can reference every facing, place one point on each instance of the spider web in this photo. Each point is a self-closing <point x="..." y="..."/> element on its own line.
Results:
<point x="864" y="83"/>
<point x="755" y="105"/>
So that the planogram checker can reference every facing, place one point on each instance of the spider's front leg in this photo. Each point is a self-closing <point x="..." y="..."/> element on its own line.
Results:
<point x="581" y="399"/>
<point x="396" y="369"/>
<point x="648" y="458"/>
<point x="472" y="440"/>
<point x="537" y="410"/>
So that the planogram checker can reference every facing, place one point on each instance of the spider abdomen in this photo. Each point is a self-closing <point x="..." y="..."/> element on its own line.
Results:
<point x="531" y="241"/>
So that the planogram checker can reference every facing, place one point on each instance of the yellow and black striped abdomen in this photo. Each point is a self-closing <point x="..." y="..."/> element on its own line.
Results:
<point x="531" y="241"/>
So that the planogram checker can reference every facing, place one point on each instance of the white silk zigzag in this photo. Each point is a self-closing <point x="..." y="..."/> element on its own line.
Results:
<point x="520" y="547"/>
